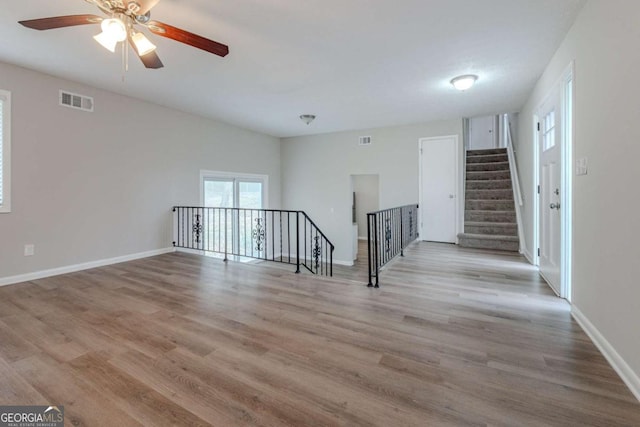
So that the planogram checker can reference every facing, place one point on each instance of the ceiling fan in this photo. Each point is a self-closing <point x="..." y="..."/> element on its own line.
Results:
<point x="121" y="25"/>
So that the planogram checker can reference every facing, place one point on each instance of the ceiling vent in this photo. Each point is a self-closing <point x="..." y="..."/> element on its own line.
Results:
<point x="364" y="140"/>
<point x="75" y="101"/>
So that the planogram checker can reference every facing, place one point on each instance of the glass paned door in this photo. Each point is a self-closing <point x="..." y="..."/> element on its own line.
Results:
<point x="218" y="193"/>
<point x="243" y="230"/>
<point x="252" y="222"/>
<point x="250" y="194"/>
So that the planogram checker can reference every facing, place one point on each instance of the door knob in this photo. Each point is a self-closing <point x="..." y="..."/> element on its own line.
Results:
<point x="554" y="206"/>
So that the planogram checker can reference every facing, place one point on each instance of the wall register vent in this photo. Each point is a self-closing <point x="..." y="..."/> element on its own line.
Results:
<point x="364" y="140"/>
<point x="75" y="101"/>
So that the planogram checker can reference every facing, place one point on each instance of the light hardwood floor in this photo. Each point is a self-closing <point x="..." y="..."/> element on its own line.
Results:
<point x="453" y="337"/>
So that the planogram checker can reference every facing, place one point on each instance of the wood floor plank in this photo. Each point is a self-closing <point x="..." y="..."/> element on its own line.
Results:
<point x="453" y="337"/>
<point x="84" y="405"/>
<point x="16" y="390"/>
<point x="131" y="395"/>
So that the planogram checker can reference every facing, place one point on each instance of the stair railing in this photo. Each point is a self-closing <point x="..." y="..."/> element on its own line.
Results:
<point x="515" y="180"/>
<point x="389" y="232"/>
<point x="282" y="236"/>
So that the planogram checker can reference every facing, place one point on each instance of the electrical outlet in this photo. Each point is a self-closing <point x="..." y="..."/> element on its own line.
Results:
<point x="29" y="250"/>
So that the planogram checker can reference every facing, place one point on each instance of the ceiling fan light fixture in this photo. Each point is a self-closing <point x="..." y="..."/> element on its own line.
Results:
<point x="143" y="45"/>
<point x="106" y="41"/>
<point x="464" y="82"/>
<point x="115" y="29"/>
<point x="307" y="118"/>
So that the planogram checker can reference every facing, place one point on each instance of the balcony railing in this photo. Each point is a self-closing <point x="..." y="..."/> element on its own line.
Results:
<point x="389" y="232"/>
<point x="283" y="236"/>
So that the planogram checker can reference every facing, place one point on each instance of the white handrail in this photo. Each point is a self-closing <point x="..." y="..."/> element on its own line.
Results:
<point x="512" y="163"/>
<point x="515" y="181"/>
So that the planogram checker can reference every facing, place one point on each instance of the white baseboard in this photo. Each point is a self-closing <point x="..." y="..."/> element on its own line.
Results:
<point x="630" y="378"/>
<point x="335" y="261"/>
<point x="362" y="238"/>
<point x="4" y="281"/>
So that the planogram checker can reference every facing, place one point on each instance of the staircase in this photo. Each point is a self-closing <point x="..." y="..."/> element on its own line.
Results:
<point x="490" y="217"/>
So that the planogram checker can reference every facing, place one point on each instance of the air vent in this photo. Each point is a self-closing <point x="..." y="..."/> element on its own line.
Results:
<point x="78" y="102"/>
<point x="364" y="140"/>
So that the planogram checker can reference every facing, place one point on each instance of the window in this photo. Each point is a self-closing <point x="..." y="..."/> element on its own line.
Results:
<point x="549" y="129"/>
<point x="5" y="151"/>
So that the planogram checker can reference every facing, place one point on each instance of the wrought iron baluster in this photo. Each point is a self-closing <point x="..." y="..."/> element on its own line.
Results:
<point x="316" y="252"/>
<point x="258" y="234"/>
<point x="387" y="234"/>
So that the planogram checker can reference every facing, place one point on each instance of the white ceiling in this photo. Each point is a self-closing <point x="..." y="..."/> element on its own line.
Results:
<point x="355" y="64"/>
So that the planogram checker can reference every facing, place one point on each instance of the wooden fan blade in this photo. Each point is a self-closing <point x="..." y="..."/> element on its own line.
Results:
<point x="186" y="37"/>
<point x="150" y="60"/>
<point x="61" y="21"/>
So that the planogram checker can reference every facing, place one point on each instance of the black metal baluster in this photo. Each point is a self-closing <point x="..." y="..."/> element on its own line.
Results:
<point x="297" y="243"/>
<point x="280" y="219"/>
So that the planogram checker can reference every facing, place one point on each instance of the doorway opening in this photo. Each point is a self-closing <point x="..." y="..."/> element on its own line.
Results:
<point x="553" y="130"/>
<point x="365" y="199"/>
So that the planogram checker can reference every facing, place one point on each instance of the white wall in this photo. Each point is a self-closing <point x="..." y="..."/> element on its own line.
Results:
<point x="91" y="186"/>
<point x="316" y="173"/>
<point x="367" y="189"/>
<point x="604" y="44"/>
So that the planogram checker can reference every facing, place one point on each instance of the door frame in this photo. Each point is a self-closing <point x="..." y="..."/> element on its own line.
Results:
<point x="567" y="115"/>
<point x="207" y="174"/>
<point x="459" y="181"/>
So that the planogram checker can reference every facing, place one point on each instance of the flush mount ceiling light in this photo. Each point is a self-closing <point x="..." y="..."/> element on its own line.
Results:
<point x="464" y="82"/>
<point x="307" y="118"/>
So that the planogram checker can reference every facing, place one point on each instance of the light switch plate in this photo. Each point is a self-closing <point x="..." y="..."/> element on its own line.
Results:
<point x="581" y="166"/>
<point x="29" y="250"/>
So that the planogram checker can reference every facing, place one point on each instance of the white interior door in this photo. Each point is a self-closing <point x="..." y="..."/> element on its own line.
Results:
<point x="439" y="187"/>
<point x="550" y="145"/>
<point x="483" y="133"/>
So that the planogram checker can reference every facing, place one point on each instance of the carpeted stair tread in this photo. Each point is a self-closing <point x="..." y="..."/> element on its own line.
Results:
<point x="490" y="194"/>
<point x="490" y="158"/>
<point x="487" y="167"/>
<point x="471" y="153"/>
<point x="488" y="175"/>
<point x="491" y="228"/>
<point x="489" y="205"/>
<point x="488" y="184"/>
<point x="489" y="216"/>
<point x="488" y="237"/>
<point x="481" y="223"/>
